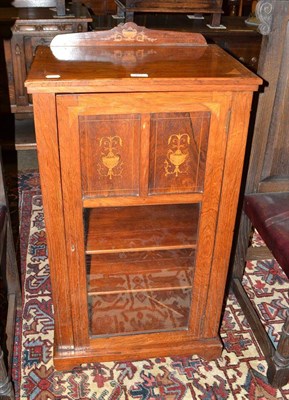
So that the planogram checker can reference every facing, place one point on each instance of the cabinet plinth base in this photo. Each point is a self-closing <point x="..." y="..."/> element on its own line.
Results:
<point x="208" y="349"/>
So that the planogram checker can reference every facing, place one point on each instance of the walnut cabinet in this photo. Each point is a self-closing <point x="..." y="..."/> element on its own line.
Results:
<point x="140" y="137"/>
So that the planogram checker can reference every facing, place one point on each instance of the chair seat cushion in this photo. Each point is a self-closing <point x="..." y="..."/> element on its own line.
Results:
<point x="269" y="214"/>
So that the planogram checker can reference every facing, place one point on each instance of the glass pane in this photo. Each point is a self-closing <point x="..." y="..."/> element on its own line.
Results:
<point x="140" y="266"/>
<point x="139" y="312"/>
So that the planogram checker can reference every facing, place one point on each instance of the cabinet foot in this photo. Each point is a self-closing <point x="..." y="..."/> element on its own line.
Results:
<point x="106" y="349"/>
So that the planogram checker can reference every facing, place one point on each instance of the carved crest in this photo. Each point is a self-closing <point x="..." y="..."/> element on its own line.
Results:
<point x="129" y="32"/>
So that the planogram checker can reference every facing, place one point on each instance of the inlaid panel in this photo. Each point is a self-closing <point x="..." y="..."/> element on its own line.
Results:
<point x="109" y="151"/>
<point x="178" y="150"/>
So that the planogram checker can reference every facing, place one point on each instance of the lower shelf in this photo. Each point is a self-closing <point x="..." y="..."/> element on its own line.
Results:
<point x="139" y="291"/>
<point x="139" y="312"/>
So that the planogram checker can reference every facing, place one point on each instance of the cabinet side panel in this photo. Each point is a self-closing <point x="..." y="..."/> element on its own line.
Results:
<point x="68" y="123"/>
<point x="233" y="168"/>
<point x="48" y="158"/>
<point x="219" y="106"/>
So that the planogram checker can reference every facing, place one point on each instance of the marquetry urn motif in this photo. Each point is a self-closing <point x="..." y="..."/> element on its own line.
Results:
<point x="111" y="164"/>
<point x="177" y="154"/>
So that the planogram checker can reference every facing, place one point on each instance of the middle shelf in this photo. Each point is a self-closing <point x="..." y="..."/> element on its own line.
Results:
<point x="141" y="228"/>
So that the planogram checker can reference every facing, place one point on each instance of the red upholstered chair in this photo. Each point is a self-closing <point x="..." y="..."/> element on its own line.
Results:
<point x="269" y="214"/>
<point x="9" y="294"/>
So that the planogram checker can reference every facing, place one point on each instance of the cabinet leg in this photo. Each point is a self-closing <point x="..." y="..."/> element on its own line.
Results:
<point x="6" y="388"/>
<point x="278" y="365"/>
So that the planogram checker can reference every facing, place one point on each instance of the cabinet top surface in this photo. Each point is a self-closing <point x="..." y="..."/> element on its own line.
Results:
<point x="87" y="65"/>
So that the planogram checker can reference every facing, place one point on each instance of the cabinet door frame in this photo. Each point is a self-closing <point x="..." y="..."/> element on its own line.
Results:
<point x="69" y="107"/>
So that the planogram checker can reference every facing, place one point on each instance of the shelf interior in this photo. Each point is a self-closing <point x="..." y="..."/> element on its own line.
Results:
<point x="137" y="292"/>
<point x="126" y="229"/>
<point x="140" y="266"/>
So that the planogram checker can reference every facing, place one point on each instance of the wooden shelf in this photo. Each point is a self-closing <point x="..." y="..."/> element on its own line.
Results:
<point x="140" y="271"/>
<point x="126" y="229"/>
<point x="117" y="201"/>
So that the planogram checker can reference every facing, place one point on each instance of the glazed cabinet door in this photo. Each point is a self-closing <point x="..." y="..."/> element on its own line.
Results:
<point x="141" y="176"/>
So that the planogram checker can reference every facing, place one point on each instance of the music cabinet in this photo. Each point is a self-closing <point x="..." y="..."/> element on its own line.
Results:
<point x="140" y="138"/>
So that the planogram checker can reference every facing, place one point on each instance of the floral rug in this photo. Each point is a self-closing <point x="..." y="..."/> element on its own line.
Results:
<point x="239" y="374"/>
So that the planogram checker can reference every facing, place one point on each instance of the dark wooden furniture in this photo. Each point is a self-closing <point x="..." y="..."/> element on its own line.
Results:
<point x="238" y="39"/>
<point x="9" y="294"/>
<point x="101" y="7"/>
<point x="140" y="168"/>
<point x="269" y="164"/>
<point x="127" y="8"/>
<point x="33" y="27"/>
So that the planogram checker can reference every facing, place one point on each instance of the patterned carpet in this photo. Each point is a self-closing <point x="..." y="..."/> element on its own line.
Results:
<point x="239" y="374"/>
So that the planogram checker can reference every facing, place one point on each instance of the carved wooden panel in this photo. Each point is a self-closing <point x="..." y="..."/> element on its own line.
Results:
<point x="110" y="154"/>
<point x="178" y="152"/>
<point x="34" y="26"/>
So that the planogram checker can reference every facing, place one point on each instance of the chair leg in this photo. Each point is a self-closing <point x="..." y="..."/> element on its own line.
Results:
<point x="278" y="365"/>
<point x="6" y="388"/>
